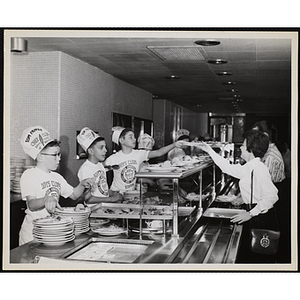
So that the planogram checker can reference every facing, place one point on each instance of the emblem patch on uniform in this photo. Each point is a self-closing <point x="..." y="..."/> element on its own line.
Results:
<point x="53" y="192"/>
<point x="128" y="174"/>
<point x="102" y="186"/>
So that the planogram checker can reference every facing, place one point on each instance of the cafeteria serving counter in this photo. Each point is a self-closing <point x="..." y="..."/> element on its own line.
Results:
<point x="201" y="240"/>
<point x="193" y="238"/>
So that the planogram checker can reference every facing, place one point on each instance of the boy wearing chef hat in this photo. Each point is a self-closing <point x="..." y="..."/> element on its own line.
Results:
<point x="95" y="147"/>
<point x="130" y="159"/>
<point x="41" y="188"/>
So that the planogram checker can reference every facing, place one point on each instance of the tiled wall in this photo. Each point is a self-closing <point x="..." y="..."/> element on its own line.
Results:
<point x="34" y="96"/>
<point x="64" y="94"/>
<point x="88" y="98"/>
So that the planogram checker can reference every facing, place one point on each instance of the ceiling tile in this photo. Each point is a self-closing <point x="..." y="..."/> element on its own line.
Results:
<point x="261" y="67"/>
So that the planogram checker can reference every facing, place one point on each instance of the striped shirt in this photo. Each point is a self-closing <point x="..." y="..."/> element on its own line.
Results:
<point x="274" y="161"/>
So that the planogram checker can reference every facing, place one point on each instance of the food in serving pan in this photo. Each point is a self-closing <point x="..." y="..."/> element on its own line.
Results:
<point x="176" y="163"/>
<point x="147" y="210"/>
<point x="116" y="211"/>
<point x="186" y="160"/>
<point x="156" y="211"/>
<point x="98" y="222"/>
<point x="154" y="200"/>
<point x="109" y="230"/>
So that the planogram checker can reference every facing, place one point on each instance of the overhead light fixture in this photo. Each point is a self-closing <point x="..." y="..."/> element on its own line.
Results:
<point x="172" y="77"/>
<point x="237" y="96"/>
<point x="18" y="45"/>
<point x="207" y="42"/>
<point x="229" y="83"/>
<point x="225" y="73"/>
<point x="232" y="91"/>
<point x="217" y="61"/>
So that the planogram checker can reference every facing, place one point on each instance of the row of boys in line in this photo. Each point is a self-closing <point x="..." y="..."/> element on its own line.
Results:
<point x="41" y="188"/>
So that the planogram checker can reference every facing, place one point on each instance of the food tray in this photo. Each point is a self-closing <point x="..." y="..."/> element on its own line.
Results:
<point x="103" y="250"/>
<point x="227" y="213"/>
<point x="132" y="211"/>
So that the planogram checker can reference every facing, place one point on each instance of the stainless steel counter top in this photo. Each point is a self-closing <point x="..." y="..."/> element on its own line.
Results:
<point x="200" y="240"/>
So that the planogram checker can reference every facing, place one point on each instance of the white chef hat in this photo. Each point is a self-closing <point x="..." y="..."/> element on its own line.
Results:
<point x="34" y="139"/>
<point x="145" y="141"/>
<point x="117" y="130"/>
<point x="86" y="137"/>
<point x="181" y="132"/>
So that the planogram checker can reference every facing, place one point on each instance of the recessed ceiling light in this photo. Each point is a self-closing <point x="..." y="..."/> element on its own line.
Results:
<point x="172" y="77"/>
<point x="207" y="42"/>
<point x="237" y="96"/>
<point x="217" y="61"/>
<point x="229" y="83"/>
<point x="232" y="91"/>
<point x="224" y="73"/>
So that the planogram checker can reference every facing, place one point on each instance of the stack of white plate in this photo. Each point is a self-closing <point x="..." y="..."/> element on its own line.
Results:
<point x="15" y="185"/>
<point x="17" y="161"/>
<point x="16" y="170"/>
<point x="12" y="176"/>
<point x="53" y="231"/>
<point x="80" y="218"/>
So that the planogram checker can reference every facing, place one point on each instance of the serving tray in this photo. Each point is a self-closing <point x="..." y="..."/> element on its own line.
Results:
<point x="106" y="250"/>
<point x="227" y="213"/>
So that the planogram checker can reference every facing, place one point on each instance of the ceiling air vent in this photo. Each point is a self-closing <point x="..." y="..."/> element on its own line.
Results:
<point x="176" y="53"/>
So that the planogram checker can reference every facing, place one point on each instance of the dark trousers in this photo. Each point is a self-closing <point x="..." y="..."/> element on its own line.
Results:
<point x="283" y="210"/>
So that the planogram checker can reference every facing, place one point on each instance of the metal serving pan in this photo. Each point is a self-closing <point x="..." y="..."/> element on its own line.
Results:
<point x="227" y="213"/>
<point x="107" y="250"/>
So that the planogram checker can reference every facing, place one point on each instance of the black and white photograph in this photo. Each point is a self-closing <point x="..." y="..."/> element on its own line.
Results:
<point x="150" y="150"/>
